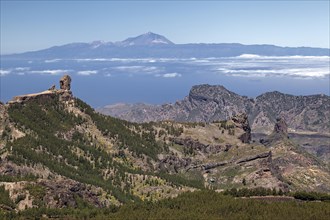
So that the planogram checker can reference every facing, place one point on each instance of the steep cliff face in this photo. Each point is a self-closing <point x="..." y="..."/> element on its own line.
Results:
<point x="206" y="103"/>
<point x="211" y="103"/>
<point x="304" y="113"/>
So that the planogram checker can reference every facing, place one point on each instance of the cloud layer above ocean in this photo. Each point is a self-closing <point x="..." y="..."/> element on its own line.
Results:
<point x="246" y="65"/>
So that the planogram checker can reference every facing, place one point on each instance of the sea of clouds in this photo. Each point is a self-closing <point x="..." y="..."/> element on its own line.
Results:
<point x="246" y="65"/>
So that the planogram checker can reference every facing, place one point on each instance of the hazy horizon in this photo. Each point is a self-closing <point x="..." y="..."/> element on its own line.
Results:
<point x="95" y="41"/>
<point x="35" y="25"/>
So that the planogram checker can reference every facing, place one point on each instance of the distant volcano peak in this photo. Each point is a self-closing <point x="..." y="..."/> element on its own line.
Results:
<point x="147" y="39"/>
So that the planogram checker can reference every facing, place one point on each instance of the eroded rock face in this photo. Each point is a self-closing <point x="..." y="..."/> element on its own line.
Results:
<point x="65" y="86"/>
<point x="45" y="95"/>
<point x="62" y="193"/>
<point x="207" y="103"/>
<point x="279" y="133"/>
<point x="194" y="145"/>
<point x="64" y="92"/>
<point x="65" y="82"/>
<point x="172" y="163"/>
<point x="281" y="127"/>
<point x="242" y="121"/>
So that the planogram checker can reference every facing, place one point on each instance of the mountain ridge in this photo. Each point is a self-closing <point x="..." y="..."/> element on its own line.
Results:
<point x="206" y="103"/>
<point x="155" y="45"/>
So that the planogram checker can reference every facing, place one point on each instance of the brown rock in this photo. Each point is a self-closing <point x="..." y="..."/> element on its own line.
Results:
<point x="65" y="82"/>
<point x="52" y="88"/>
<point x="242" y="121"/>
<point x="281" y="127"/>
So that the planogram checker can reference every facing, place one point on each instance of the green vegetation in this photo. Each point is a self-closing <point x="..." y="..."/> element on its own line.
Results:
<point x="5" y="199"/>
<point x="55" y="139"/>
<point x="170" y="128"/>
<point x="47" y="122"/>
<point x="7" y="178"/>
<point x="6" y="133"/>
<point x="178" y="179"/>
<point x="258" y="191"/>
<point x="141" y="142"/>
<point x="41" y="145"/>
<point x="38" y="192"/>
<point x="311" y="196"/>
<point x="191" y="205"/>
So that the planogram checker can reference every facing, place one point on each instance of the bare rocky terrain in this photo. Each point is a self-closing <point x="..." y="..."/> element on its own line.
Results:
<point x="207" y="103"/>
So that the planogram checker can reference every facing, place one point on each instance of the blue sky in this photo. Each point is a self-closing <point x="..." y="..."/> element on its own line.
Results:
<point x="34" y="25"/>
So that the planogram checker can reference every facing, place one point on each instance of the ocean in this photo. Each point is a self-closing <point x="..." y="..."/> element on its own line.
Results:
<point x="102" y="81"/>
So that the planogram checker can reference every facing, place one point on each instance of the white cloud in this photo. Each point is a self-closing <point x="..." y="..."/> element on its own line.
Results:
<point x="248" y="56"/>
<point x="91" y="60"/>
<point x="128" y="68"/>
<point x="138" y="69"/>
<point x="294" y="72"/>
<point x="87" y="72"/>
<point x="4" y="72"/>
<point x="249" y="65"/>
<point x="52" y="61"/>
<point x="108" y="75"/>
<point x="50" y="72"/>
<point x="171" y="75"/>
<point x="22" y="68"/>
<point x="254" y="56"/>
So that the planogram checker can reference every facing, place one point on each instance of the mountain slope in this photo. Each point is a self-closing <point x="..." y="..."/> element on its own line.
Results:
<point x="56" y="152"/>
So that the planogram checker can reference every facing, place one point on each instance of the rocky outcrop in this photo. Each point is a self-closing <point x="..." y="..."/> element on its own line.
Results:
<point x="64" y="93"/>
<point x="281" y="127"/>
<point x="65" y="82"/>
<point x="255" y="157"/>
<point x="65" y="86"/>
<point x="172" y="163"/>
<point x="280" y="132"/>
<point x="209" y="103"/>
<point x="301" y="113"/>
<point x="241" y="121"/>
<point x="195" y="146"/>
<point x="48" y="94"/>
<point x="63" y="193"/>
<point x="209" y="166"/>
<point x="52" y="88"/>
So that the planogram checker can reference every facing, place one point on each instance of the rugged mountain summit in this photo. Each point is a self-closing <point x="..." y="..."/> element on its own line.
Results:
<point x="207" y="103"/>
<point x="56" y="151"/>
<point x="147" y="39"/>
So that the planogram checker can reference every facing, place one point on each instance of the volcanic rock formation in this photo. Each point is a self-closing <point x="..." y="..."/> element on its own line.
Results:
<point x="207" y="103"/>
<point x="65" y="82"/>
<point x="64" y="93"/>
